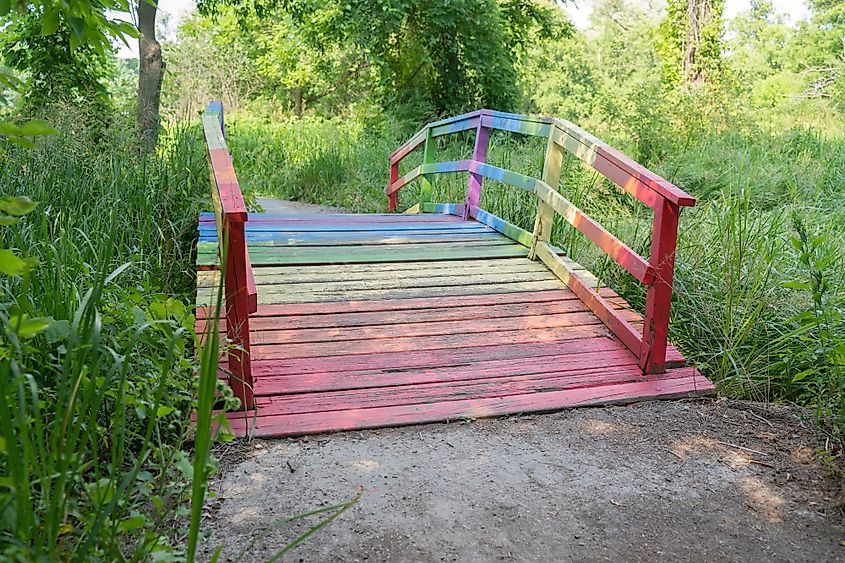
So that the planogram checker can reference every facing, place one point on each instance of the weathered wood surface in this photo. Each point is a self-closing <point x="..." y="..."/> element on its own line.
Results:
<point x="380" y="328"/>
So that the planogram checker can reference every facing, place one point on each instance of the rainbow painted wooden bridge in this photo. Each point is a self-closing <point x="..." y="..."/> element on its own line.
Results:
<point x="348" y="321"/>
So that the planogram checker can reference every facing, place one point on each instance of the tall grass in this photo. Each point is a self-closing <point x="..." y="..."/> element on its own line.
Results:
<point x="95" y="407"/>
<point x="738" y="308"/>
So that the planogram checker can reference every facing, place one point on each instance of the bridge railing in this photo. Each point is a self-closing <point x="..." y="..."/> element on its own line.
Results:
<point x="230" y="215"/>
<point x="656" y="272"/>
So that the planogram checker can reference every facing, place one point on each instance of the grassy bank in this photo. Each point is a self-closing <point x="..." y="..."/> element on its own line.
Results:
<point x="98" y="379"/>
<point x="760" y="281"/>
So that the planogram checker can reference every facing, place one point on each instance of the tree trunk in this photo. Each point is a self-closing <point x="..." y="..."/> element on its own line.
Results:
<point x="699" y="16"/>
<point x="150" y="75"/>
<point x="297" y="101"/>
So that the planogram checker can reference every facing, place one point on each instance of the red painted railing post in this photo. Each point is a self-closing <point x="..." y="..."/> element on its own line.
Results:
<point x="392" y="199"/>
<point x="664" y="239"/>
<point x="237" y="311"/>
<point x="479" y="154"/>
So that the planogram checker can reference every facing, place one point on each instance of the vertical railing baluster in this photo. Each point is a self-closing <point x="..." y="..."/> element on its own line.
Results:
<point x="479" y="154"/>
<point x="237" y="312"/>
<point x="544" y="220"/>
<point x="664" y="240"/>
<point x="425" y="183"/>
<point x="393" y="199"/>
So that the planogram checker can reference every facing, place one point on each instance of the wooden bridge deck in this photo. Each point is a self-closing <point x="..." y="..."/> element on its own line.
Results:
<point x="379" y="320"/>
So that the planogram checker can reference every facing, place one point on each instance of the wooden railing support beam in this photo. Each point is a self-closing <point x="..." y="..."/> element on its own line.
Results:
<point x="237" y="313"/>
<point x="393" y="198"/>
<point x="544" y="220"/>
<point x="479" y="154"/>
<point x="428" y="158"/>
<point x="664" y="240"/>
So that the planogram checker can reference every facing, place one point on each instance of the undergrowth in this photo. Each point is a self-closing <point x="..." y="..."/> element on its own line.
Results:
<point x="97" y="376"/>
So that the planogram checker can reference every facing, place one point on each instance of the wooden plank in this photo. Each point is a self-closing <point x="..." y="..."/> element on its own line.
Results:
<point x="516" y="124"/>
<point x="613" y="157"/>
<point x="385" y="318"/>
<point x="439" y="342"/>
<point x="445" y="208"/>
<point x="479" y="155"/>
<point x="664" y="240"/>
<point x="682" y="384"/>
<point x="207" y="218"/>
<point x="458" y="226"/>
<point x="328" y="402"/>
<point x="431" y="328"/>
<point x="483" y="370"/>
<point x="362" y="238"/>
<point x="543" y="352"/>
<point x="412" y="304"/>
<point x="280" y="284"/>
<point x="345" y="255"/>
<point x="508" y="177"/>
<point x="204" y="296"/>
<point x="544" y="219"/>
<point x="465" y="124"/>
<point x="409" y="361"/>
<point x="353" y="272"/>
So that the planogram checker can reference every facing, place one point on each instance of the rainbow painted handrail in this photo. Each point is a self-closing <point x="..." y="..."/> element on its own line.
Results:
<point x="665" y="199"/>
<point x="230" y="214"/>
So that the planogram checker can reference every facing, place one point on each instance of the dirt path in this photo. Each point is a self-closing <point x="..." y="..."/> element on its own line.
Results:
<point x="686" y="480"/>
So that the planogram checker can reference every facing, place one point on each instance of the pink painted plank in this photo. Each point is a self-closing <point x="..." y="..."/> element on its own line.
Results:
<point x="482" y="388"/>
<point x="484" y="369"/>
<point x="683" y="384"/>
<point x="412" y="316"/>
<point x="395" y="361"/>
<point x="286" y="351"/>
<point x="354" y="335"/>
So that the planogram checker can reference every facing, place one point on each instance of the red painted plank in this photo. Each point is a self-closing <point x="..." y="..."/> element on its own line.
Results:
<point x="269" y="352"/>
<point x="416" y="330"/>
<point x="568" y="364"/>
<point x="385" y="318"/>
<point x="684" y="384"/>
<point x="404" y="361"/>
<point x="329" y="401"/>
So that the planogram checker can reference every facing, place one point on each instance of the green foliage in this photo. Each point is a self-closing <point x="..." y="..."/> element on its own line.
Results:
<point x="690" y="40"/>
<point x="96" y="376"/>
<point x="440" y="56"/>
<point x="57" y="71"/>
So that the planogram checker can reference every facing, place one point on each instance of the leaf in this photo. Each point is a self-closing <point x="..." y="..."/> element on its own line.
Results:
<point x="164" y="410"/>
<point x="37" y="127"/>
<point x="800" y="376"/>
<point x="57" y="331"/>
<point x="5" y="220"/>
<point x="29" y="327"/>
<point x="132" y="523"/>
<point x="797" y="285"/>
<point x="17" y="206"/>
<point x="10" y="264"/>
<point x="50" y="20"/>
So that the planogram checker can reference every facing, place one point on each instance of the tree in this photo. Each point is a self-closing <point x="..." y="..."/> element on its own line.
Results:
<point x="440" y="56"/>
<point x="84" y="22"/>
<point x="690" y="40"/>
<point x="150" y="74"/>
